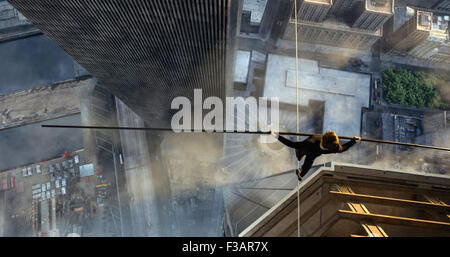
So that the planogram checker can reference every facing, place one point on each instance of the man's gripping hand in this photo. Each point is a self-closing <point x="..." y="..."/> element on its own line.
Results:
<point x="357" y="139"/>
<point x="275" y="133"/>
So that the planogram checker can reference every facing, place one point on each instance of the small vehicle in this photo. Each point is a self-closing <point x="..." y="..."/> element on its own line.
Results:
<point x="24" y="172"/>
<point x="76" y="159"/>
<point x="57" y="183"/>
<point x="48" y="185"/>
<point x="38" y="169"/>
<point x="44" y="188"/>
<point x="63" y="190"/>
<point x="58" y="166"/>
<point x="53" y="192"/>
<point x="63" y="182"/>
<point x="51" y="168"/>
<point x="30" y="171"/>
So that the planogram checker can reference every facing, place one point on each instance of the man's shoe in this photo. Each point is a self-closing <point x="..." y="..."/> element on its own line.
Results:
<point x="298" y="175"/>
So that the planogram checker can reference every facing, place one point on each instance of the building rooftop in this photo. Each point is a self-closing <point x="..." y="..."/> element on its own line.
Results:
<point x="385" y="6"/>
<point x="348" y="94"/>
<point x="256" y="8"/>
<point x="13" y="25"/>
<point x="333" y="23"/>
<point x="440" y="27"/>
<point x="424" y="20"/>
<point x="26" y="106"/>
<point x="341" y="199"/>
<point x="328" y="2"/>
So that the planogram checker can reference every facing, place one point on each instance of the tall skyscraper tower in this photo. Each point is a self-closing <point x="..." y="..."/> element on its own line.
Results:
<point x="341" y="7"/>
<point x="415" y="31"/>
<point x="372" y="14"/>
<point x="313" y="10"/>
<point x="146" y="52"/>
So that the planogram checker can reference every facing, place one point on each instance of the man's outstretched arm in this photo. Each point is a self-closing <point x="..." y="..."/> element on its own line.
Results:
<point x="284" y="140"/>
<point x="349" y="144"/>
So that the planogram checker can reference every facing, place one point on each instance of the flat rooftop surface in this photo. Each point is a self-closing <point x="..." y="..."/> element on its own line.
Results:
<point x="318" y="1"/>
<point x="344" y="93"/>
<point x="337" y="173"/>
<point x="380" y="5"/>
<point x="256" y="8"/>
<point x="241" y="67"/>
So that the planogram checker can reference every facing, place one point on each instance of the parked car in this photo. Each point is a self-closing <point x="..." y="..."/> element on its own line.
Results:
<point x="38" y="169"/>
<point x="30" y="171"/>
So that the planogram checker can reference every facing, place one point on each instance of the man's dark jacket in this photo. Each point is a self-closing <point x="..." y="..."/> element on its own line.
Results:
<point x="311" y="148"/>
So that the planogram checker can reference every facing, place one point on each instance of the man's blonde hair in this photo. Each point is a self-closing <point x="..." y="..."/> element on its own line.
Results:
<point x="329" y="139"/>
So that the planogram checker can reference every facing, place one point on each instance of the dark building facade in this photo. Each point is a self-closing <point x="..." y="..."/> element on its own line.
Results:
<point x="335" y="34"/>
<point x="415" y="31"/>
<point x="340" y="7"/>
<point x="145" y="52"/>
<point x="13" y="25"/>
<point x="313" y="10"/>
<point x="443" y="5"/>
<point x="342" y="23"/>
<point x="371" y="15"/>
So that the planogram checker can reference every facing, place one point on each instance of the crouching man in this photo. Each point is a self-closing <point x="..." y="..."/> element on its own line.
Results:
<point x="314" y="146"/>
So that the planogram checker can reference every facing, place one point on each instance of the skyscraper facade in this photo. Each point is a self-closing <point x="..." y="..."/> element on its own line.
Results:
<point x="412" y="33"/>
<point x="145" y="52"/>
